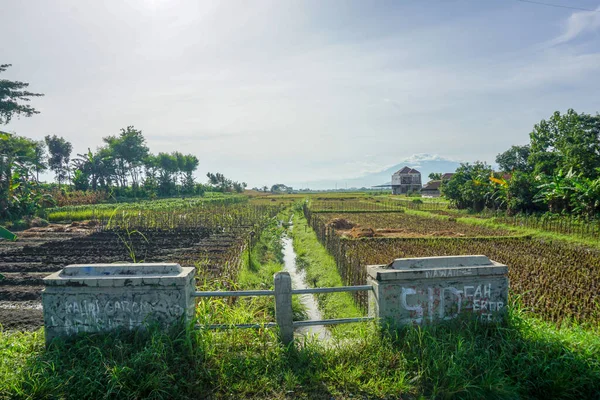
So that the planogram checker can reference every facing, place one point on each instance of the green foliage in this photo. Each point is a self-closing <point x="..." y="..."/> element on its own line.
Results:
<point x="20" y="193"/>
<point x="538" y="179"/>
<point x="470" y="187"/>
<point x="127" y="152"/>
<point x="222" y="184"/>
<point x="570" y="192"/>
<point x="6" y="234"/>
<point x="515" y="159"/>
<point x="11" y="96"/>
<point x="148" y="212"/>
<point x="524" y="359"/>
<point x="123" y="167"/>
<point x="80" y="180"/>
<point x="281" y="188"/>
<point x="521" y="191"/>
<point x="59" y="150"/>
<point x="564" y="142"/>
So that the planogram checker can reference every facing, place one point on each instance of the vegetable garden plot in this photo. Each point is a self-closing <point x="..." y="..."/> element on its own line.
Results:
<point x="23" y="268"/>
<point x="214" y="249"/>
<point x="103" y="212"/>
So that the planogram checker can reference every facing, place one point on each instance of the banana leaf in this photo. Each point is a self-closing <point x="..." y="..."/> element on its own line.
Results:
<point x="6" y="234"/>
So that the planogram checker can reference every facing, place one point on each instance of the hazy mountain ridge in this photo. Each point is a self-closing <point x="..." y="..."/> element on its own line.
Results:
<point x="424" y="163"/>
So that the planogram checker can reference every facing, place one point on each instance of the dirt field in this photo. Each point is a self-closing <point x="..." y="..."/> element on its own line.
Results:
<point x="39" y="252"/>
<point x="402" y="225"/>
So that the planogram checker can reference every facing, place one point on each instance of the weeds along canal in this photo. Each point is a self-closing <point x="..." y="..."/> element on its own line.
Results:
<point x="308" y="301"/>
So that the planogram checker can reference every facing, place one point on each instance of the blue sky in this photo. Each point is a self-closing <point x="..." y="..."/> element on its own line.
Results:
<point x="296" y="91"/>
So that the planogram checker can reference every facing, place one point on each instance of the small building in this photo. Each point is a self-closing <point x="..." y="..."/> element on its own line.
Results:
<point x="447" y="176"/>
<point x="407" y="180"/>
<point x="431" y="189"/>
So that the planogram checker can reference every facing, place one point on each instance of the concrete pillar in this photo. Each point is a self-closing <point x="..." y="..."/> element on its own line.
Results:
<point x="107" y="297"/>
<point x="283" y="307"/>
<point x="428" y="290"/>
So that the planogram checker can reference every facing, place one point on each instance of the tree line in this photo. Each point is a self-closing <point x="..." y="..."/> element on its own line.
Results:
<point x="557" y="172"/>
<point x="122" y="166"/>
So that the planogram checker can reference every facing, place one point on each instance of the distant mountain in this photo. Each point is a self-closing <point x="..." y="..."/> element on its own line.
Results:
<point x="424" y="163"/>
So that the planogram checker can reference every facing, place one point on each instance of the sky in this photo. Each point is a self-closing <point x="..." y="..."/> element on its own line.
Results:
<point x="294" y="91"/>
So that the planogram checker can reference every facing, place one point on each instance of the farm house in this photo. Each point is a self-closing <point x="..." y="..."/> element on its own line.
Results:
<point x="431" y="189"/>
<point x="406" y="180"/>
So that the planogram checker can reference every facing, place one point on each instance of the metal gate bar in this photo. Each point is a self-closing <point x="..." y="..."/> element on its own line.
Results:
<point x="283" y="306"/>
<point x="235" y="293"/>
<point x="331" y="321"/>
<point x="333" y="289"/>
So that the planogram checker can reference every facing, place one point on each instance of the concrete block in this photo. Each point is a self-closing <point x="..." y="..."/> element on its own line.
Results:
<point x="105" y="297"/>
<point x="432" y="289"/>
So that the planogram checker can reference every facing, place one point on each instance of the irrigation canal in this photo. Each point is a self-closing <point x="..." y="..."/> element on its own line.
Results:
<point x="299" y="282"/>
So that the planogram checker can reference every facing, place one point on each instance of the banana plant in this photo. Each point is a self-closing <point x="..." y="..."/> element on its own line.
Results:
<point x="557" y="192"/>
<point x="6" y="234"/>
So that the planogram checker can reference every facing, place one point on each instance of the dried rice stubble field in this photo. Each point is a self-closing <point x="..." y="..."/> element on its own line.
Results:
<point x="400" y="224"/>
<point x="556" y="280"/>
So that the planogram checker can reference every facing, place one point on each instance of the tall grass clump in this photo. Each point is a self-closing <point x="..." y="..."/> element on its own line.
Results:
<point x="525" y="358"/>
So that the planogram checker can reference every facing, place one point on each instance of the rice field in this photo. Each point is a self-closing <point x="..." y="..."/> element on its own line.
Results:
<point x="556" y="280"/>
<point x="400" y="224"/>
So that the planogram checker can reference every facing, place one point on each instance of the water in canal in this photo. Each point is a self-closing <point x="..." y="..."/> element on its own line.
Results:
<point x="308" y="300"/>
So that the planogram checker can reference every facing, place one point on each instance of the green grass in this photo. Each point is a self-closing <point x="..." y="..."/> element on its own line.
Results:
<point x="523" y="359"/>
<point x="256" y="273"/>
<point x="403" y="197"/>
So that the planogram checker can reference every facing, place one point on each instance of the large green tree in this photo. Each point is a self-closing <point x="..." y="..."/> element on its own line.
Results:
<point x="59" y="155"/>
<point x="515" y="159"/>
<point x="128" y="151"/>
<point x="94" y="170"/>
<point x="470" y="187"/>
<point x="566" y="142"/>
<point x="40" y="163"/>
<point x="220" y="182"/>
<point x="189" y="165"/>
<point x="12" y="96"/>
<point x="167" y="170"/>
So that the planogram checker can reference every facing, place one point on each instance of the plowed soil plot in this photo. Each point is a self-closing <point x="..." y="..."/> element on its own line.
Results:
<point x="23" y="264"/>
<point x="398" y="224"/>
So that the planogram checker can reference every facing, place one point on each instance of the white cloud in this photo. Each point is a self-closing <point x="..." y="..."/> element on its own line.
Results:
<point x="420" y="157"/>
<point x="578" y="24"/>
